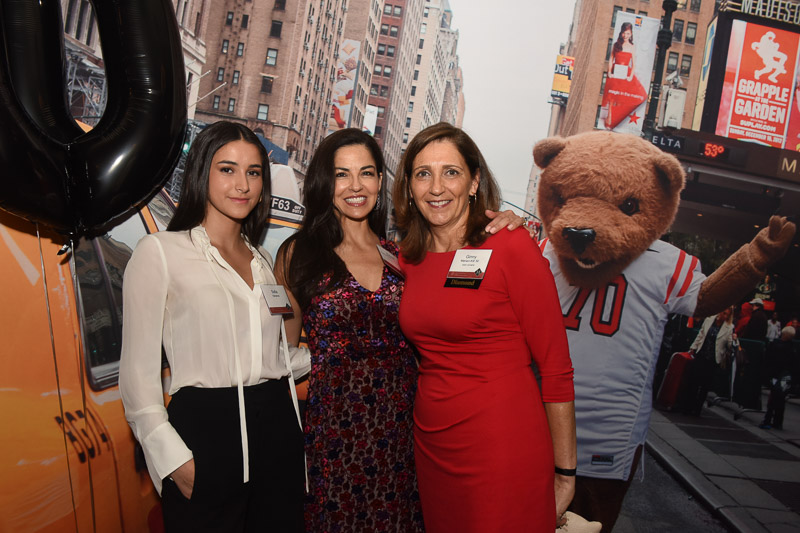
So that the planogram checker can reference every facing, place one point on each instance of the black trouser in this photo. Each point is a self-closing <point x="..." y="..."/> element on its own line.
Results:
<point x="208" y="421"/>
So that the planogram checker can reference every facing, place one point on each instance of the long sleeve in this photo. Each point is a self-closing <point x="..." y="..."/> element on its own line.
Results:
<point x="534" y="300"/>
<point x="300" y="359"/>
<point x="144" y="306"/>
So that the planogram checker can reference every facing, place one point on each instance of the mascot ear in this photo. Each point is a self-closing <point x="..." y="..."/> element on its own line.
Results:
<point x="670" y="173"/>
<point x="545" y="150"/>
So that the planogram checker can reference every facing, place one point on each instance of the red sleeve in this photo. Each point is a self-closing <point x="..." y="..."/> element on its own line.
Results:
<point x="534" y="300"/>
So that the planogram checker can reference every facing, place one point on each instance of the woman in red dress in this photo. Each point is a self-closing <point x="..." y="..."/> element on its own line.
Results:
<point x="624" y="92"/>
<point x="490" y="455"/>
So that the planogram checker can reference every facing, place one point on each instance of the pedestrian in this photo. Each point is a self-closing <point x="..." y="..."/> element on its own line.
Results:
<point x="773" y="328"/>
<point x="227" y="453"/>
<point x="490" y="455"/>
<point x="710" y="350"/>
<point x="756" y="328"/>
<point x="780" y="359"/>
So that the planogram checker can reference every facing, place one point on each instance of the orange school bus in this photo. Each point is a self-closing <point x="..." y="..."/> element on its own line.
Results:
<point x="68" y="460"/>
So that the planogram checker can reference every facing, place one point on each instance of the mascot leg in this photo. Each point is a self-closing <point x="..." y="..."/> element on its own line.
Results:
<point x="601" y="499"/>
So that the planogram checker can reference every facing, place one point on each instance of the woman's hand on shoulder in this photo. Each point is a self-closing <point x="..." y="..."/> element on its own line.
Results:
<point x="501" y="219"/>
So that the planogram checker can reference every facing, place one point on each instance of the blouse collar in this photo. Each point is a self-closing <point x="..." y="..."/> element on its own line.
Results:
<point x="200" y="237"/>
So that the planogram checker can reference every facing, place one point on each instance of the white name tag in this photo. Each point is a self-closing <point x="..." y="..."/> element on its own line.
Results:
<point x="391" y="261"/>
<point x="468" y="268"/>
<point x="277" y="299"/>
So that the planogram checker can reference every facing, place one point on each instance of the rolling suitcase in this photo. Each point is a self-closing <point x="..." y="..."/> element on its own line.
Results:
<point x="671" y="385"/>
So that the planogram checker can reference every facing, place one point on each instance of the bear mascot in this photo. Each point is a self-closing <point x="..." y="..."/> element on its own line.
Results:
<point x="605" y="199"/>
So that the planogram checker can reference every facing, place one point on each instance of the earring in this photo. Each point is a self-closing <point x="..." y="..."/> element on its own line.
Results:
<point x="473" y="198"/>
<point x="377" y="204"/>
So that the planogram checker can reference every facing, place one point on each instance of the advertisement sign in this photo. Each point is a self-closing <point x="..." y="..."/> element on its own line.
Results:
<point x="757" y="101"/>
<point x="562" y="78"/>
<point x="370" y="119"/>
<point x="630" y="66"/>
<point x="705" y="69"/>
<point x="344" y="86"/>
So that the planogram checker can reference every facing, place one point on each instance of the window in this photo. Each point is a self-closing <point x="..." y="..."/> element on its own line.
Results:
<point x="220" y="74"/>
<point x="387" y="9"/>
<point x="408" y="122"/>
<point x="384" y="91"/>
<point x="643" y="13"/>
<point x="423" y="29"/>
<point x="245" y="20"/>
<point x="630" y="10"/>
<point x="373" y="91"/>
<point x="275" y="30"/>
<point x="240" y="49"/>
<point x="215" y="105"/>
<point x="686" y="65"/>
<point x="266" y="84"/>
<point x="416" y="75"/>
<point x="398" y="11"/>
<point x="677" y="30"/>
<point x="425" y="12"/>
<point x="419" y="59"/>
<point x="682" y="5"/>
<point x="393" y="31"/>
<point x="598" y="124"/>
<point x="387" y="71"/>
<point x="390" y="51"/>
<point x="421" y="43"/>
<point x="691" y="32"/>
<point x="384" y="29"/>
<point x="280" y="4"/>
<point x="608" y="49"/>
<point x="263" y="112"/>
<point x="231" y="105"/>
<point x="272" y="57"/>
<point x="695" y="5"/>
<point x="405" y="138"/>
<point x="225" y="44"/>
<point x="672" y="62"/>
<point x="229" y="18"/>
<point x="603" y="83"/>
<point x="614" y="15"/>
<point x="235" y="77"/>
<point x="381" y="49"/>
<point x="413" y="90"/>
<point x="378" y="130"/>
<point x="381" y="111"/>
<point x="411" y="107"/>
<point x="378" y="70"/>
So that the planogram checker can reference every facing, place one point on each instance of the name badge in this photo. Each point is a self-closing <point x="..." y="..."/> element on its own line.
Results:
<point x="468" y="268"/>
<point x="277" y="299"/>
<point x="391" y="261"/>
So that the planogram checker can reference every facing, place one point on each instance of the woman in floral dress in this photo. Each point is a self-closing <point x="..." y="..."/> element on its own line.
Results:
<point x="358" y="426"/>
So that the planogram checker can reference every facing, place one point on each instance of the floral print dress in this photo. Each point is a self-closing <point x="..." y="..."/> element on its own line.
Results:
<point x="358" y="426"/>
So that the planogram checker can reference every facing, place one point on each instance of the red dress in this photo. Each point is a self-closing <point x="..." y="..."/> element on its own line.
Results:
<point x="621" y="96"/>
<point x="483" y="450"/>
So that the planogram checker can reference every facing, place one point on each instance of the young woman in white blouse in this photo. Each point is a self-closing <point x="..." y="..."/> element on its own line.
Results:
<point x="227" y="454"/>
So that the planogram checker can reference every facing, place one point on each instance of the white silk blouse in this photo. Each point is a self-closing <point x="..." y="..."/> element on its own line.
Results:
<point x="216" y="331"/>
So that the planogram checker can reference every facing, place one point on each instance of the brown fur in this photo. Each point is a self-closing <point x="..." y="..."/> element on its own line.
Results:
<point x="587" y="177"/>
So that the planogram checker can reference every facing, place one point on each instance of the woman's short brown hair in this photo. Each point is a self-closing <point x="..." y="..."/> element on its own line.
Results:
<point x="413" y="226"/>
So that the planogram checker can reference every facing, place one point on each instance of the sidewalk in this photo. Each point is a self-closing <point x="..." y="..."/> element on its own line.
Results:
<point x="749" y="476"/>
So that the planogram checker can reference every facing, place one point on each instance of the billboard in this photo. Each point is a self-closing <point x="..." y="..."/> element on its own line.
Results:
<point x="344" y="86"/>
<point x="630" y="62"/>
<point x="370" y="119"/>
<point x="562" y="78"/>
<point x="705" y="70"/>
<point x="757" y="103"/>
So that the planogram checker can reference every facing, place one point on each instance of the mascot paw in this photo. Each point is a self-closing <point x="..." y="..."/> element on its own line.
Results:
<point x="578" y="524"/>
<point x="772" y="242"/>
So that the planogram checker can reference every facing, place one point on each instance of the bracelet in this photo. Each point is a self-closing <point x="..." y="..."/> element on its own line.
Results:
<point x="566" y="471"/>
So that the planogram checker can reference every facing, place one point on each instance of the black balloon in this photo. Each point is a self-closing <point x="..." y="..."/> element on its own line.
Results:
<point x="52" y="172"/>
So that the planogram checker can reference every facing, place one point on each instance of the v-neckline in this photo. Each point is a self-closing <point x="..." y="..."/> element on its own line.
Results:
<point x="361" y="286"/>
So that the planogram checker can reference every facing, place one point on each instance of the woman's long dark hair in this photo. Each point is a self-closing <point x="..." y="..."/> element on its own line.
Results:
<point x="620" y="40"/>
<point x="194" y="195"/>
<point x="312" y="247"/>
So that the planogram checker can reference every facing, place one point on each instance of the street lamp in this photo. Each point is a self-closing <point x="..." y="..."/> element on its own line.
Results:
<point x="663" y="41"/>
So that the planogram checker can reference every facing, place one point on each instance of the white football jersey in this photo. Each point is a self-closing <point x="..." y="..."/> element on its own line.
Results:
<point x="614" y="339"/>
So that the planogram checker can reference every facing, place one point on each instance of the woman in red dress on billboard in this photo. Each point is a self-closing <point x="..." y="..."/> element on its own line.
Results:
<point x="624" y="92"/>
